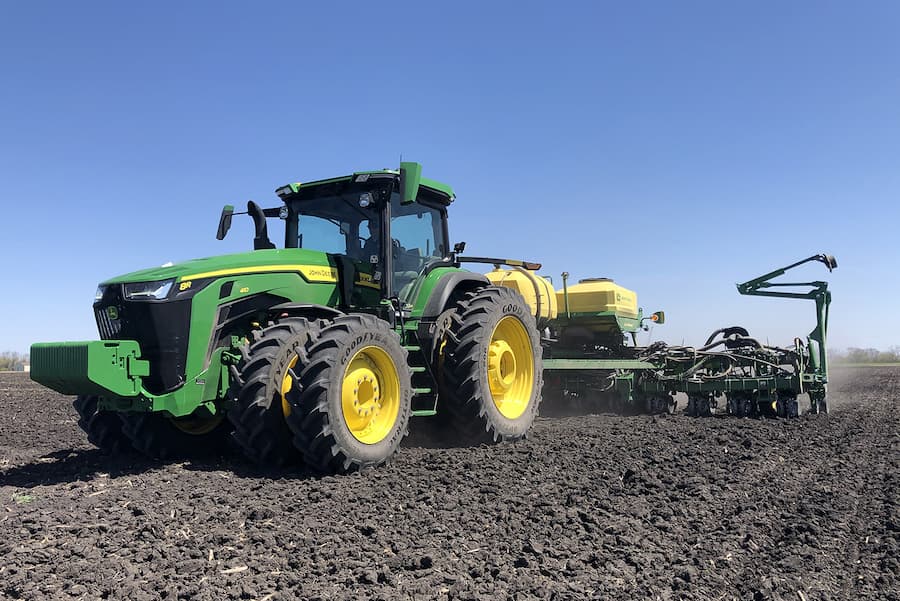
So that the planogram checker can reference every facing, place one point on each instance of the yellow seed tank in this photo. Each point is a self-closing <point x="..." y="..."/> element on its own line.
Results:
<point x="537" y="291"/>
<point x="599" y="295"/>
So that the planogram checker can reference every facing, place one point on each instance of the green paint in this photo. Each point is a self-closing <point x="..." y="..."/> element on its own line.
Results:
<point x="816" y="291"/>
<point x="423" y="288"/>
<point x="94" y="367"/>
<point x="410" y="178"/>
<point x="248" y="261"/>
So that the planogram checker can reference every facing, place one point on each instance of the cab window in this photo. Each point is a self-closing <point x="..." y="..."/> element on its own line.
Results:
<point x="418" y="238"/>
<point x="322" y="234"/>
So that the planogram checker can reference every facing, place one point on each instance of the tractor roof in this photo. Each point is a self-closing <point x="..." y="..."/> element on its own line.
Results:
<point x="442" y="189"/>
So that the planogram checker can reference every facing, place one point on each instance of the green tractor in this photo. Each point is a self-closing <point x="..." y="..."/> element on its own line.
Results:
<point x="315" y="353"/>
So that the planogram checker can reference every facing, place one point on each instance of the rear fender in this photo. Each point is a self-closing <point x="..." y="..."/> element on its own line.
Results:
<point x="448" y="288"/>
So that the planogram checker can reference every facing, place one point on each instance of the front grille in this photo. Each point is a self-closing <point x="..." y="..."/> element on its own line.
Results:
<point x="160" y="327"/>
<point x="109" y="328"/>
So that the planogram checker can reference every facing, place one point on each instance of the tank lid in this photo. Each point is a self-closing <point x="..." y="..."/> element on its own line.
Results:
<point x="586" y="280"/>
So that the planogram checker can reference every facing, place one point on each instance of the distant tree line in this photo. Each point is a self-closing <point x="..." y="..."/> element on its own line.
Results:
<point x="866" y="355"/>
<point x="10" y="361"/>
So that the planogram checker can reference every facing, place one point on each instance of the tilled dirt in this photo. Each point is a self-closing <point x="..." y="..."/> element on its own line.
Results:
<point x="598" y="506"/>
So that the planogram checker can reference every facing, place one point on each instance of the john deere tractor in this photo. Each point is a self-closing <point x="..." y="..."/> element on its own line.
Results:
<point x="316" y="352"/>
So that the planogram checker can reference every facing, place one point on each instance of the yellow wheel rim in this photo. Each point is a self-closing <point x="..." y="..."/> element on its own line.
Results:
<point x="287" y="382"/>
<point x="510" y="368"/>
<point x="197" y="426"/>
<point x="370" y="395"/>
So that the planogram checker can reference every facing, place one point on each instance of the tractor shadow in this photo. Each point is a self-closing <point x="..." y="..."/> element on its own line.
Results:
<point x="66" y="466"/>
<point x="72" y="465"/>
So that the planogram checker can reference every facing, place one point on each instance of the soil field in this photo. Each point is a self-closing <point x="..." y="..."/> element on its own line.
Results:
<point x="600" y="506"/>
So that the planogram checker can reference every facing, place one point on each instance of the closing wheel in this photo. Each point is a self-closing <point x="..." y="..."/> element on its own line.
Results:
<point x="740" y="404"/>
<point x="492" y="372"/>
<point x="103" y="428"/>
<point x="699" y="405"/>
<point x="817" y="402"/>
<point x="266" y="375"/>
<point x="353" y="403"/>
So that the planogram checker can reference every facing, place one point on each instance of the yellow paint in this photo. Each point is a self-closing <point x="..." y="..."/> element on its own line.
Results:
<point x="365" y="279"/>
<point x="244" y="290"/>
<point x="287" y="383"/>
<point x="532" y="287"/>
<point x="318" y="273"/>
<point x="184" y="285"/>
<point x="600" y="296"/>
<point x="370" y="395"/>
<point x="510" y="367"/>
<point x="312" y="273"/>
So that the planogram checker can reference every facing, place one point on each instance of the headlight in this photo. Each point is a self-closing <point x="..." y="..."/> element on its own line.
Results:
<point x="148" y="290"/>
<point x="101" y="290"/>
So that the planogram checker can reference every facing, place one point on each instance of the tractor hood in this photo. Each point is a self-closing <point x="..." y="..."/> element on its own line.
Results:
<point x="306" y="262"/>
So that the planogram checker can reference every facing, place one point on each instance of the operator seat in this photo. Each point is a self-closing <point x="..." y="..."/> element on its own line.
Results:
<point x="407" y="264"/>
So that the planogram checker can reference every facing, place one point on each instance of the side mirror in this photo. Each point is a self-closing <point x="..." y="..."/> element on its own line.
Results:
<point x="410" y="178"/>
<point x="658" y="317"/>
<point x="225" y="222"/>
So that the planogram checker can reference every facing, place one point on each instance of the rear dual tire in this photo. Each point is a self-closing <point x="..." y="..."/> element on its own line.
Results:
<point x="492" y="367"/>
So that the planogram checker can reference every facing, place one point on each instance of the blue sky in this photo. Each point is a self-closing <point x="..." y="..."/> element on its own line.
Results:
<point x="676" y="147"/>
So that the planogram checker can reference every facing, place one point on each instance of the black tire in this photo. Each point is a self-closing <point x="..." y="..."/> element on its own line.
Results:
<point x="780" y="407"/>
<point x="699" y="406"/>
<point x="103" y="428"/>
<point x="466" y="398"/>
<point x="748" y="406"/>
<point x="787" y="405"/>
<point x="660" y="404"/>
<point x="740" y="404"/>
<point x="160" y="437"/>
<point x="277" y="354"/>
<point x="793" y="408"/>
<point x="328" y="442"/>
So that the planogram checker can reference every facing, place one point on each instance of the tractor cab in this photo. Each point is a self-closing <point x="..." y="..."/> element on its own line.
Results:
<point x="352" y="217"/>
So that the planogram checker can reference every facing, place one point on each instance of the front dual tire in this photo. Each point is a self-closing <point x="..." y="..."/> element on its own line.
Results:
<point x="352" y="407"/>
<point x="334" y="395"/>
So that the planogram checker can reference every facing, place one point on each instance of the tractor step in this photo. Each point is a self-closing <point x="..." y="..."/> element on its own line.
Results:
<point x="417" y="391"/>
<point x="424" y="413"/>
<point x="412" y="348"/>
<point x="418" y="370"/>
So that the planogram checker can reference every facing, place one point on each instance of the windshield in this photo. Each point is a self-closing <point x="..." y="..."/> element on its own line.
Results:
<point x="334" y="222"/>
<point x="346" y="218"/>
